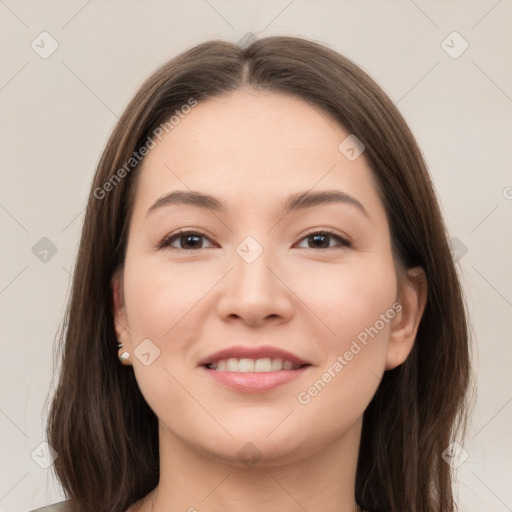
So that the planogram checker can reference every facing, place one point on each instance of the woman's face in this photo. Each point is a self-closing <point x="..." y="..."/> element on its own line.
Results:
<point x="255" y="325"/>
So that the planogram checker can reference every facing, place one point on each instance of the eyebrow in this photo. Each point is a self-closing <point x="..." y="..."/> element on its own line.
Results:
<point x="295" y="202"/>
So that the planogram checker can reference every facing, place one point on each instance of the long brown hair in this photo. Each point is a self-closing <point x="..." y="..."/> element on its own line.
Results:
<point x="104" y="432"/>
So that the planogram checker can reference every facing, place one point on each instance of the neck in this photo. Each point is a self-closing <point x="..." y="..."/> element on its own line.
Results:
<point x="192" y="481"/>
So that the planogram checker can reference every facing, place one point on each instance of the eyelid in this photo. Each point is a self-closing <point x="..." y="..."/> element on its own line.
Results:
<point x="345" y="241"/>
<point x="166" y="241"/>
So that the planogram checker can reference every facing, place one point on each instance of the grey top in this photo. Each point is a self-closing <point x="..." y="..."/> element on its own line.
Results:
<point x="62" y="506"/>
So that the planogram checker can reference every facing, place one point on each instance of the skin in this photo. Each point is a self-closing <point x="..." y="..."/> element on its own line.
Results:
<point x="252" y="150"/>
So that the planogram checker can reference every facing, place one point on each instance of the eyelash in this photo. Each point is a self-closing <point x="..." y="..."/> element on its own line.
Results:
<point x="166" y="242"/>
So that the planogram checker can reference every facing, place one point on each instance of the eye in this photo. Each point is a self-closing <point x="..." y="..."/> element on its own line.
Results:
<point x="193" y="240"/>
<point x="187" y="240"/>
<point x="323" y="239"/>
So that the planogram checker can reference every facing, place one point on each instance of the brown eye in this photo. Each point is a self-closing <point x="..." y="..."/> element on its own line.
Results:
<point x="187" y="240"/>
<point x="323" y="239"/>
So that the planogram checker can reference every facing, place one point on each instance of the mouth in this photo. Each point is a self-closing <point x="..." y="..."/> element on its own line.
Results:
<point x="246" y="365"/>
<point x="253" y="369"/>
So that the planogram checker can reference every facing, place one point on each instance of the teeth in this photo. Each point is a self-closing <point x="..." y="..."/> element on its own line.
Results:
<point x="232" y="365"/>
<point x="245" y="365"/>
<point x="277" y="364"/>
<point x="263" y="365"/>
<point x="287" y="365"/>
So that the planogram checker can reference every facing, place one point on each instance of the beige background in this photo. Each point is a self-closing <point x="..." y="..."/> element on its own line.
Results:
<point x="57" y="112"/>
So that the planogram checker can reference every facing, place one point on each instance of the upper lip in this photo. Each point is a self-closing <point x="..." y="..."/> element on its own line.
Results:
<point x="262" y="352"/>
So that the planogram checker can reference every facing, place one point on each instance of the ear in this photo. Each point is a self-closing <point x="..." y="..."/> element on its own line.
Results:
<point x="119" y="311"/>
<point x="412" y="298"/>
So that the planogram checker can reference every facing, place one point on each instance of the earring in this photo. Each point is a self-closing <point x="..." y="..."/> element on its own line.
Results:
<point x="124" y="356"/>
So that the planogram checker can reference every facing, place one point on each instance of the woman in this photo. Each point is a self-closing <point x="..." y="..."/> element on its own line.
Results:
<point x="265" y="312"/>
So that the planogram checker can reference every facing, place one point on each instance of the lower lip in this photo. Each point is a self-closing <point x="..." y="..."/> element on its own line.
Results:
<point x="255" y="381"/>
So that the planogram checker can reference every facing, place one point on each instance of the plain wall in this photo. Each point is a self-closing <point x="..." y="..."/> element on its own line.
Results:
<point x="57" y="112"/>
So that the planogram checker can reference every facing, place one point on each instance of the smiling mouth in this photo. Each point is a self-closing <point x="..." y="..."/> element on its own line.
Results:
<point x="246" y="365"/>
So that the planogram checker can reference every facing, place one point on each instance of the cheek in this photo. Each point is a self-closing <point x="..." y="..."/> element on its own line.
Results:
<point x="159" y="297"/>
<point x="358" y="307"/>
<point x="348" y="299"/>
<point x="162" y="304"/>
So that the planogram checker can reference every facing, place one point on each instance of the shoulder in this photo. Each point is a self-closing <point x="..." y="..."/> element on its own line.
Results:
<point x="62" y="506"/>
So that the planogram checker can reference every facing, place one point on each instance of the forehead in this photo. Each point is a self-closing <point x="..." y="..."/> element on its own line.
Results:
<point x="252" y="144"/>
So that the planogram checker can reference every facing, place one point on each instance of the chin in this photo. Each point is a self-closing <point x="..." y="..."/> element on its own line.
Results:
<point x="257" y="445"/>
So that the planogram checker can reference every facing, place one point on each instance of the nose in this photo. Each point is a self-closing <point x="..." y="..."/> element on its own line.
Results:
<point x="256" y="293"/>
